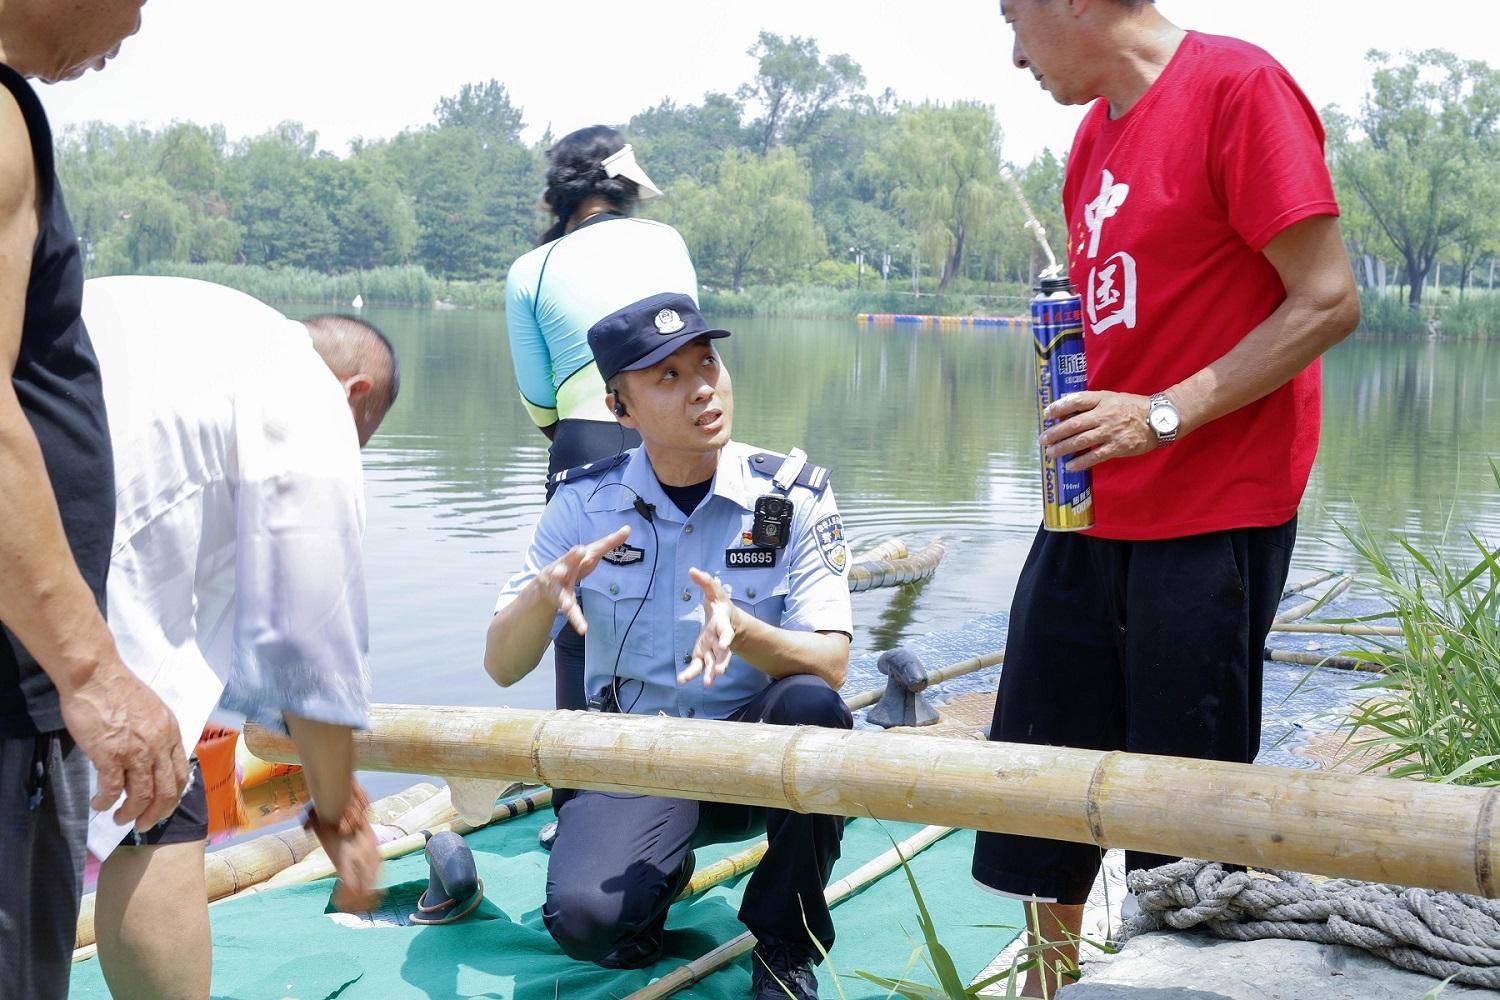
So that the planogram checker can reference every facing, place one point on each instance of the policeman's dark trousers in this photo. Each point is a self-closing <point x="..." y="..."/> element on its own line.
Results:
<point x="1151" y="647"/>
<point x="614" y="867"/>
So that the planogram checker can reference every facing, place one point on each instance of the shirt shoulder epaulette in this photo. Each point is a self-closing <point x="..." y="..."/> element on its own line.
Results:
<point x="590" y="471"/>
<point x="812" y="477"/>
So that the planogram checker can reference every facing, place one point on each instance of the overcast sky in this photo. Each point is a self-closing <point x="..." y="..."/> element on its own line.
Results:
<point x="348" y="68"/>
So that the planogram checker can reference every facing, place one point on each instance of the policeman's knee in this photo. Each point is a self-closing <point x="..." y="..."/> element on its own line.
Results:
<point x="583" y="923"/>
<point x="809" y="701"/>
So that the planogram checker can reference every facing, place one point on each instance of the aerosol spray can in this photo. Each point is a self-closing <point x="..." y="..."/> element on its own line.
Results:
<point x="1057" y="329"/>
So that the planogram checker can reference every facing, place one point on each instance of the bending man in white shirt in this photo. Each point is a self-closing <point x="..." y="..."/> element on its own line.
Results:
<point x="236" y="579"/>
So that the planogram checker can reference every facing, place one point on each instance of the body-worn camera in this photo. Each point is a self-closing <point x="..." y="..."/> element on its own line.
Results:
<point x="772" y="528"/>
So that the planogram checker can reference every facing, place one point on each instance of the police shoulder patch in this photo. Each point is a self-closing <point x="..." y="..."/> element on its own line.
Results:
<point x="812" y="477"/>
<point x="831" y="544"/>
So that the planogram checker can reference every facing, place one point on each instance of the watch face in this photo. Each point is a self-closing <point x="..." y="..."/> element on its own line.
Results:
<point x="1163" y="419"/>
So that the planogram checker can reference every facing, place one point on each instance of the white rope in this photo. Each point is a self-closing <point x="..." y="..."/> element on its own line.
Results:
<point x="1439" y="934"/>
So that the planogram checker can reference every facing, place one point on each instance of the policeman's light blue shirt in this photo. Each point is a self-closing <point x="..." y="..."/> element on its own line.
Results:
<point x="554" y="293"/>
<point x="650" y="627"/>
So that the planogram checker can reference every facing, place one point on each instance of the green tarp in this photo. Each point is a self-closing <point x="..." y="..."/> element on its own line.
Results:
<point x="284" y="944"/>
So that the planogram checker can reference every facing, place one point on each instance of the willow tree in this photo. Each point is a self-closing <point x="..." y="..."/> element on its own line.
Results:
<point x="942" y="167"/>
<point x="752" y="220"/>
<point x="1427" y="132"/>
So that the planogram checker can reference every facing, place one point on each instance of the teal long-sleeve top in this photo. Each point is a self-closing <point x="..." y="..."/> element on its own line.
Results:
<point x="554" y="293"/>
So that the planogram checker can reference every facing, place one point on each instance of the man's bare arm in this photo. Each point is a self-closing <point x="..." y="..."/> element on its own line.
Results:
<point x="121" y="725"/>
<point x="1321" y="308"/>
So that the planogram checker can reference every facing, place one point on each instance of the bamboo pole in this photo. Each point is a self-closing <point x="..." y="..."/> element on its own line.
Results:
<point x="1337" y="628"/>
<point x="1332" y="662"/>
<point x="234" y="869"/>
<point x="700" y="968"/>
<point x="1312" y="581"/>
<point x="1305" y="609"/>
<point x="1409" y="833"/>
<point x="724" y="869"/>
<point x="867" y="698"/>
<point x="919" y="565"/>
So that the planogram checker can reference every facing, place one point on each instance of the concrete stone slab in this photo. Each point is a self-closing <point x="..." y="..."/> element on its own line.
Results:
<point x="1197" y="967"/>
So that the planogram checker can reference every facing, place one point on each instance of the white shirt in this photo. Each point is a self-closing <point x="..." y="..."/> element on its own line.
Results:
<point x="236" y="576"/>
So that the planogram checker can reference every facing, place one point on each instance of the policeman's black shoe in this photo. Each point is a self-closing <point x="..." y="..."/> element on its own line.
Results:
<point x="782" y="972"/>
<point x="547" y="835"/>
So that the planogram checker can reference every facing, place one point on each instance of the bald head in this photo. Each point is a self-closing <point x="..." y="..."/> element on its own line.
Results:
<point x="364" y="361"/>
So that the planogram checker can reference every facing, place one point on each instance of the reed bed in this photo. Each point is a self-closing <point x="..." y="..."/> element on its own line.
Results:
<point x="1435" y="711"/>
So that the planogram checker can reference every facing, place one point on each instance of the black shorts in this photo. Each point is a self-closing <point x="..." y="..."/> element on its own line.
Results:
<point x="1151" y="647"/>
<point x="186" y="824"/>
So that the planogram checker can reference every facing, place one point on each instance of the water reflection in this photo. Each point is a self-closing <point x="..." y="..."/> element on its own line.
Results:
<point x="928" y="433"/>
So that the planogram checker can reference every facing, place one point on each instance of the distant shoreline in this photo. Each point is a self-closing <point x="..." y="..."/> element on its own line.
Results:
<point x="1477" y="316"/>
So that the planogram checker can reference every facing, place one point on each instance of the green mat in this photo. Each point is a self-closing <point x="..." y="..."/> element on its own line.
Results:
<point x="284" y="944"/>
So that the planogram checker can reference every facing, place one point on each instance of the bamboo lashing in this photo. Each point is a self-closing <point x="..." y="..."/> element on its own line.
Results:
<point x="868" y="574"/>
<point x="234" y="869"/>
<point x="695" y="971"/>
<point x="1303" y="610"/>
<point x="1408" y="833"/>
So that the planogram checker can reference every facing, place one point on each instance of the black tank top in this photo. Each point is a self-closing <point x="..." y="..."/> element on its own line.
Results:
<point x="57" y="381"/>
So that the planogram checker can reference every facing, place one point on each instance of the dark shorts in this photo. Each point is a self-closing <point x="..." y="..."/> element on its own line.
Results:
<point x="1150" y="647"/>
<point x="187" y="824"/>
<point x="44" y="812"/>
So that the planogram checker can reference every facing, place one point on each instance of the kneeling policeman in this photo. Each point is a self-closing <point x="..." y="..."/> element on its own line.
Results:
<point x="709" y="581"/>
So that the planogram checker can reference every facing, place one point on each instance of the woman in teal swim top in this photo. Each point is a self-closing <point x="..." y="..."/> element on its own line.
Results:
<point x="594" y="259"/>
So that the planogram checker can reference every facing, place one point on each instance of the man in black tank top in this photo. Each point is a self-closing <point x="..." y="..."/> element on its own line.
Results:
<point x="65" y="696"/>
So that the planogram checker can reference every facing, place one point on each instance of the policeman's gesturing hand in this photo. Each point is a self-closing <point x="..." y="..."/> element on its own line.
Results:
<point x="559" y="580"/>
<point x="711" y="651"/>
<point x="1096" y="427"/>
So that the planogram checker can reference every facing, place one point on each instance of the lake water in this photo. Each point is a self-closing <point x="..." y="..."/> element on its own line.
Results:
<point x="929" y="434"/>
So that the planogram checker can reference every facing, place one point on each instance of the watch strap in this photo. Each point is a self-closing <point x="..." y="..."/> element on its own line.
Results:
<point x="1161" y="399"/>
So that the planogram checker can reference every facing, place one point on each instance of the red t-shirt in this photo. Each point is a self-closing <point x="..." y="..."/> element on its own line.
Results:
<point x="1168" y="209"/>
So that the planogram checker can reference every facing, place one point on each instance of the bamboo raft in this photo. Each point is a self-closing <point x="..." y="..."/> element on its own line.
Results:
<point x="1331" y="824"/>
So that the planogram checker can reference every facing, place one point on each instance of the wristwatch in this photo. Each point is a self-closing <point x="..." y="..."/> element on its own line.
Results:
<point x="1162" y="416"/>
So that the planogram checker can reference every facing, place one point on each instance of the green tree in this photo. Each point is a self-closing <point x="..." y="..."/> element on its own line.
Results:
<point x="153" y="225"/>
<point x="485" y="108"/>
<point x="753" y="221"/>
<point x="375" y="221"/>
<point x="1478" y="237"/>
<point x="1425" y="132"/>
<point x="942" y="167"/>
<point x="271" y="185"/>
<point x="796" y="88"/>
<point x="675" y="141"/>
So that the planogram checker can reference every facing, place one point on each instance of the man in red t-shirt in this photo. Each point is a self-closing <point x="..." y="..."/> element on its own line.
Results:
<point x="1204" y="240"/>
